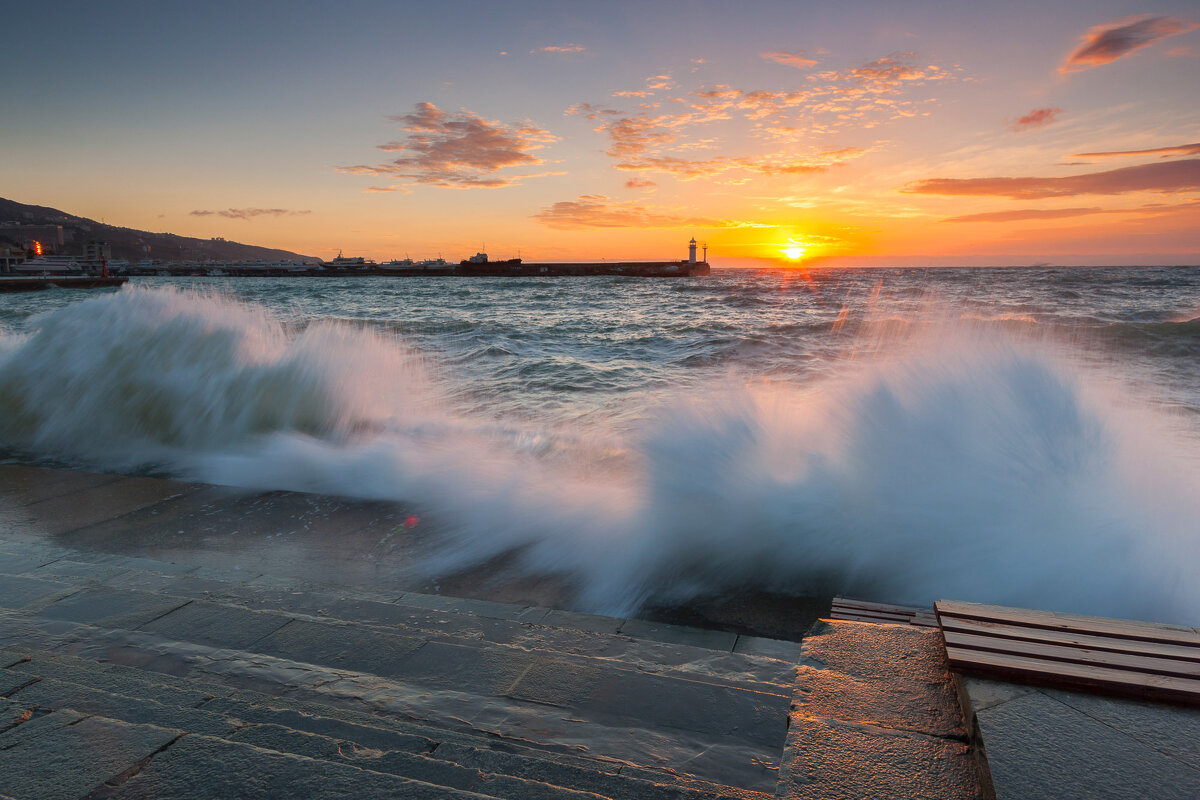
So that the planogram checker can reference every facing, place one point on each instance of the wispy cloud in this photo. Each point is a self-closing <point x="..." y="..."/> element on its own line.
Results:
<point x="1162" y="152"/>
<point x="1038" y="118"/>
<point x="640" y="183"/>
<point x="1028" y="214"/>
<point x="654" y="84"/>
<point x="561" y="48"/>
<point x="1166" y="177"/>
<point x="664" y="135"/>
<point x="460" y="150"/>
<point x="1024" y="214"/>
<point x="250" y="213"/>
<point x="797" y="59"/>
<point x="599" y="211"/>
<point x="1104" y="44"/>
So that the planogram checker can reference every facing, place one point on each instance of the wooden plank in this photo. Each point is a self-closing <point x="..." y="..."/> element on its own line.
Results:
<point x="1066" y="639"/>
<point x="1075" y="676"/>
<point x="1075" y="655"/>
<point x="924" y="622"/>
<point x="870" y="606"/>
<point x="877" y="620"/>
<point x="882" y="618"/>
<point x="1098" y="626"/>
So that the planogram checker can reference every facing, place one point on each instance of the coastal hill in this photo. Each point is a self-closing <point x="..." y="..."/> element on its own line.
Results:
<point x="19" y="222"/>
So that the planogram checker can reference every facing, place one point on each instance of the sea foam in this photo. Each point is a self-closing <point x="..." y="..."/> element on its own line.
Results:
<point x="963" y="465"/>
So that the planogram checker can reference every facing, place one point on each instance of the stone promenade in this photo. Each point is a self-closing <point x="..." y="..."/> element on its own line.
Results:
<point x="193" y="666"/>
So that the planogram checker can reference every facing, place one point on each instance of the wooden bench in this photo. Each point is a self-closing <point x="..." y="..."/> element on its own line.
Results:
<point x="1134" y="659"/>
<point x="844" y="608"/>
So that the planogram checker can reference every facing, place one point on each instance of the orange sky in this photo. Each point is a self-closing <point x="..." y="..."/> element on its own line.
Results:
<point x="1062" y="132"/>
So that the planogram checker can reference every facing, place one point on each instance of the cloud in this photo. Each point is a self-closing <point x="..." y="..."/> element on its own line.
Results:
<point x="561" y="48"/>
<point x="770" y="165"/>
<point x="640" y="183"/>
<point x="250" y="213"/>
<point x="1037" y="118"/>
<point x="598" y="211"/>
<point x="1104" y="44"/>
<point x="459" y="150"/>
<point x="1164" y="152"/>
<point x="380" y="189"/>
<point x="1169" y="176"/>
<point x="664" y="136"/>
<point x="1019" y="215"/>
<point x="789" y="59"/>
<point x="1025" y="214"/>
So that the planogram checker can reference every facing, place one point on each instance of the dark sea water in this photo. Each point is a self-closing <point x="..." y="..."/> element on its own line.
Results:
<point x="1024" y="436"/>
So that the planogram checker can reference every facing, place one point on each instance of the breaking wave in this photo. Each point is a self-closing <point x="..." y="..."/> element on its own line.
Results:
<point x="959" y="465"/>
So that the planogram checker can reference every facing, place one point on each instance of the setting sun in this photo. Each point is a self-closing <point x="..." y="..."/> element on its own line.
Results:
<point x="794" y="251"/>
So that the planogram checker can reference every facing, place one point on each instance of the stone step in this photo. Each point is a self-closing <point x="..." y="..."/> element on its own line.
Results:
<point x="709" y="757"/>
<point x="269" y="592"/>
<point x="230" y="624"/>
<point x="203" y="767"/>
<point x="65" y="755"/>
<point x="459" y="764"/>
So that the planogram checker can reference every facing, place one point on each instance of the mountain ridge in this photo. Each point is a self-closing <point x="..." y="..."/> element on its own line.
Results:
<point x="130" y="243"/>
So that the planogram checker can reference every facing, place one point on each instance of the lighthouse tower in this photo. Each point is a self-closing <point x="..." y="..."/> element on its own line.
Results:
<point x="692" y="251"/>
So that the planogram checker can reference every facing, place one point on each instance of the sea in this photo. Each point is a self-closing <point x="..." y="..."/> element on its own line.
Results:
<point x="1025" y="436"/>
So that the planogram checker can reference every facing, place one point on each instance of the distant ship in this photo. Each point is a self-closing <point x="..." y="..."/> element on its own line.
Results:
<point x="348" y="262"/>
<point x="479" y="264"/>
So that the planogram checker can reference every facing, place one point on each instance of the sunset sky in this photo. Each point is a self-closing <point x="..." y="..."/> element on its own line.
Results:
<point x="839" y="133"/>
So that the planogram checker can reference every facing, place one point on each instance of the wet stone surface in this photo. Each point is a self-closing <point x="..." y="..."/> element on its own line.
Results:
<point x="1048" y="743"/>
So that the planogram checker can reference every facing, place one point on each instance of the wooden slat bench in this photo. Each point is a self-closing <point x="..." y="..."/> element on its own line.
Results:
<point x="1138" y="659"/>
<point x="844" y="608"/>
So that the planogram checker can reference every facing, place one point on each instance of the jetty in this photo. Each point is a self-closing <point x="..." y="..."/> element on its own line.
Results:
<point x="35" y="283"/>
<point x="166" y="639"/>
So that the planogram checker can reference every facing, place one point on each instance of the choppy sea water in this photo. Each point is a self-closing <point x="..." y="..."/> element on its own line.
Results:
<point x="1022" y="436"/>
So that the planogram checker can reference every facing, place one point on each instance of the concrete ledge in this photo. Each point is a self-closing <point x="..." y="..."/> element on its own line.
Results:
<point x="875" y="715"/>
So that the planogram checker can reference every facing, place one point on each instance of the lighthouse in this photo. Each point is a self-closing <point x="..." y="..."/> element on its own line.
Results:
<point x="692" y="251"/>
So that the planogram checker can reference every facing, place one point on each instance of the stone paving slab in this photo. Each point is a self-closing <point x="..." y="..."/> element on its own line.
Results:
<point x="185" y="770"/>
<point x="216" y="625"/>
<point x="65" y="568"/>
<point x="24" y="485"/>
<point x="768" y="648"/>
<point x="114" y="608"/>
<point x="101" y="503"/>
<point x="11" y="680"/>
<point x="643" y="653"/>
<point x="382" y="731"/>
<point x="58" y="694"/>
<point x="456" y="667"/>
<point x="677" y="634"/>
<point x="12" y="714"/>
<point x="656" y="701"/>
<point x="123" y="683"/>
<point x="613" y="781"/>
<point x="18" y="592"/>
<point x="1040" y="748"/>
<point x="35" y="722"/>
<point x="77" y="759"/>
<point x="437" y="771"/>
<point x="341" y="646"/>
<point x="1172" y="730"/>
<point x="16" y="564"/>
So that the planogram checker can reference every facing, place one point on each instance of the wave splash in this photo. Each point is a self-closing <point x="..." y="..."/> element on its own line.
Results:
<point x="968" y="467"/>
